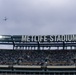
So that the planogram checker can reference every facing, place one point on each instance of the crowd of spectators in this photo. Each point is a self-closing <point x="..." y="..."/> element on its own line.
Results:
<point x="37" y="57"/>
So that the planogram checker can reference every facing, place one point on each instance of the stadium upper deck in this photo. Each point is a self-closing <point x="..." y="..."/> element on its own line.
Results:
<point x="39" y="42"/>
<point x="29" y="55"/>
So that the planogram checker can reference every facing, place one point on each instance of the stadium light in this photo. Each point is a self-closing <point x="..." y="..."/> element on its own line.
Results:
<point x="1" y="37"/>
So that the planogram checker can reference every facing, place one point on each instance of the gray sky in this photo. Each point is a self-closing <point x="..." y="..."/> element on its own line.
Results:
<point x="37" y="17"/>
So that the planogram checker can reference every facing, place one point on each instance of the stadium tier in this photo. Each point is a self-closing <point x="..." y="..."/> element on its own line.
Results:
<point x="38" y="55"/>
<point x="37" y="62"/>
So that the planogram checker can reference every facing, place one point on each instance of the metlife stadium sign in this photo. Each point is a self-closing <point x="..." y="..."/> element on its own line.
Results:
<point x="38" y="38"/>
<point x="38" y="41"/>
<point x="46" y="38"/>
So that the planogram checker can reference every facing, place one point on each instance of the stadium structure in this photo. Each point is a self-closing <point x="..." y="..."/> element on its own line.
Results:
<point x="38" y="55"/>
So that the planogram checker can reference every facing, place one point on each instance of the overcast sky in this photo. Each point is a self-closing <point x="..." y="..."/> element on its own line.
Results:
<point x="37" y="17"/>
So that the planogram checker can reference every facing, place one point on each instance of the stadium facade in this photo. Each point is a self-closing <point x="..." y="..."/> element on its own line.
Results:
<point x="38" y="55"/>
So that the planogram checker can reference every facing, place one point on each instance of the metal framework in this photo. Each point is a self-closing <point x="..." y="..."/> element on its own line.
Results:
<point x="17" y="43"/>
<point x="37" y="70"/>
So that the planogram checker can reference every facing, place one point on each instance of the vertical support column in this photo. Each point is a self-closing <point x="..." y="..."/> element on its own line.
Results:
<point x="38" y="46"/>
<point x="13" y="47"/>
<point x="71" y="47"/>
<point x="63" y="45"/>
<point x="13" y="43"/>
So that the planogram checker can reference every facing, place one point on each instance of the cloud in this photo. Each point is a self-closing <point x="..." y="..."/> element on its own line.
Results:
<point x="38" y="17"/>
